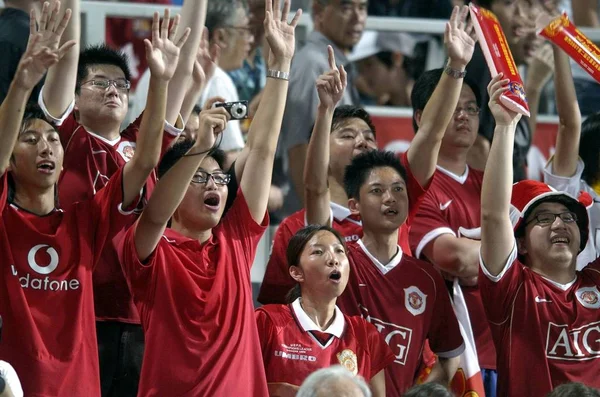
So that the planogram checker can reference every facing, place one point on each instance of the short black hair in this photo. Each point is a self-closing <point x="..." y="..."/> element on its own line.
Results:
<point x="179" y="149"/>
<point x="424" y="87"/>
<point x="100" y="54"/>
<point x="485" y="3"/>
<point x="574" y="389"/>
<point x="358" y="170"/>
<point x="32" y="112"/>
<point x="589" y="148"/>
<point x="345" y="112"/>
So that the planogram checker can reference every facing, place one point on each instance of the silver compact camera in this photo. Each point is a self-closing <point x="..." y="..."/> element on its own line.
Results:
<point x="237" y="110"/>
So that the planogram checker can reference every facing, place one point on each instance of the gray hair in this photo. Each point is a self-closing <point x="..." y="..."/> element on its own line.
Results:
<point x="326" y="378"/>
<point x="220" y="13"/>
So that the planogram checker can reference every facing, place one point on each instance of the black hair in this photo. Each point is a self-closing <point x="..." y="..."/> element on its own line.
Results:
<point x="100" y="54"/>
<point x="358" y="170"/>
<point x="589" y="148"/>
<point x="296" y="246"/>
<point x="426" y="84"/>
<point x="432" y="389"/>
<point x="484" y="3"/>
<point x="572" y="205"/>
<point x="179" y="149"/>
<point x="345" y="112"/>
<point x="32" y="112"/>
<point x="574" y="389"/>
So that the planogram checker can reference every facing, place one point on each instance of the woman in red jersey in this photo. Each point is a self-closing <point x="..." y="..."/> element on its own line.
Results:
<point x="311" y="332"/>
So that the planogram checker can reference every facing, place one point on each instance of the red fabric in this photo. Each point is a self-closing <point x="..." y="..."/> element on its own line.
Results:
<point x="89" y="162"/>
<point x="545" y="336"/>
<point x="280" y="333"/>
<point x="385" y="300"/>
<point x="277" y="281"/>
<point x="195" y="303"/>
<point x="46" y="296"/>
<point x="462" y="213"/>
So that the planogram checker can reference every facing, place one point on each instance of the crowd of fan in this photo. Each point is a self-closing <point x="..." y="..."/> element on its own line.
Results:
<point x="125" y="254"/>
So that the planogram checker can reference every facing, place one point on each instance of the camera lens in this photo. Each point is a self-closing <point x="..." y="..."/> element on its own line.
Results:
<point x="238" y="110"/>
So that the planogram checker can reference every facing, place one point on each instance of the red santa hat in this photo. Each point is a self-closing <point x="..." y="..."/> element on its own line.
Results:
<point x="528" y="194"/>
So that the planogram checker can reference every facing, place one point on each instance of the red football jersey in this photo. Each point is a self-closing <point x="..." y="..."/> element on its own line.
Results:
<point x="89" y="161"/>
<point x="293" y="346"/>
<point x="408" y="302"/>
<point x="452" y="205"/>
<point x="195" y="303"/>
<point x="546" y="333"/>
<point x="46" y="296"/>
<point x="277" y="281"/>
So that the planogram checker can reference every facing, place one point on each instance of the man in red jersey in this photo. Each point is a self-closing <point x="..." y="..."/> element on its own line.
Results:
<point x="542" y="312"/>
<point x="48" y="254"/>
<point x="87" y="96"/>
<point x="347" y="132"/>
<point x="191" y="282"/>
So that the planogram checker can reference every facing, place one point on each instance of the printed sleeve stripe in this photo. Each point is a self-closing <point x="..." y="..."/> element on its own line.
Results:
<point x="509" y="262"/>
<point x="430" y="236"/>
<point x="452" y="353"/>
<point x="56" y="121"/>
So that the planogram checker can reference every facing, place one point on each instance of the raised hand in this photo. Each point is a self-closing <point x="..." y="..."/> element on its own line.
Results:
<point x="278" y="32"/>
<point x="50" y="30"/>
<point x="459" y="37"/>
<point x="34" y="63"/>
<point x="206" y="61"/>
<point x="331" y="84"/>
<point x="212" y="123"/>
<point x="162" y="53"/>
<point x="502" y="115"/>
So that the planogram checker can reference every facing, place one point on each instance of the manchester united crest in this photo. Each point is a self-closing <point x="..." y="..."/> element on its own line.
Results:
<point x="588" y="297"/>
<point x="414" y="300"/>
<point x="126" y="150"/>
<point x="348" y="360"/>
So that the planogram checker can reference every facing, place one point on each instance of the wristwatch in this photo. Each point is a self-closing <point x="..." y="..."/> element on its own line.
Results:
<point x="278" y="74"/>
<point x="455" y="73"/>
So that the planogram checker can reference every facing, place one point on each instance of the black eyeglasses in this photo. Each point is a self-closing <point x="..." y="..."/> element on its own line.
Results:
<point x="220" y="178"/>
<point x="121" y="85"/>
<point x="548" y="218"/>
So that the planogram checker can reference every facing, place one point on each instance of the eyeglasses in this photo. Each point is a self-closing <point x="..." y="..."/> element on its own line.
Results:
<point x="247" y="30"/>
<point x="548" y="218"/>
<point x="471" y="110"/>
<point x="121" y="85"/>
<point x="220" y="178"/>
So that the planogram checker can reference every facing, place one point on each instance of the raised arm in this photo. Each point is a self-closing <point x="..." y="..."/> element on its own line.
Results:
<point x="265" y="127"/>
<point x="33" y="65"/>
<point x="585" y="13"/>
<point x="171" y="188"/>
<point x="459" y="37"/>
<point x="59" y="86"/>
<point x="330" y="88"/>
<point x="497" y="237"/>
<point x="162" y="55"/>
<point x="194" y="15"/>
<point x="569" y="128"/>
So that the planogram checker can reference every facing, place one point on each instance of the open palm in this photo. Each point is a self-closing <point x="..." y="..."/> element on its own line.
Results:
<point x="34" y="63"/>
<point x="50" y="30"/>
<point x="278" y="32"/>
<point x="162" y="53"/>
<point x="459" y="37"/>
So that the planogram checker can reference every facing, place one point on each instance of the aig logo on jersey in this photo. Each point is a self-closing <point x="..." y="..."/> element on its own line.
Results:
<point x="126" y="150"/>
<point x="43" y="260"/>
<point x="414" y="300"/>
<point x="588" y="297"/>
<point x="573" y="344"/>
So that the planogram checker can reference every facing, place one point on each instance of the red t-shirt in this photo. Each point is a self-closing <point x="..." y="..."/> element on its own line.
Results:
<point x="277" y="281"/>
<point x="46" y="296"/>
<point x="546" y="333"/>
<point x="89" y="161"/>
<point x="408" y="302"/>
<point x="293" y="346"/>
<point x="452" y="205"/>
<point x="195" y="303"/>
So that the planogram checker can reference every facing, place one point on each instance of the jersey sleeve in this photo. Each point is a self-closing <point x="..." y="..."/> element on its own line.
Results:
<point x="444" y="334"/>
<point x="379" y="351"/>
<point x="108" y="213"/>
<point x="277" y="281"/>
<point x="65" y="123"/>
<point x="570" y="184"/>
<point x="429" y="224"/>
<point x="242" y="230"/>
<point x="416" y="192"/>
<point x="498" y="292"/>
<point x="265" y="330"/>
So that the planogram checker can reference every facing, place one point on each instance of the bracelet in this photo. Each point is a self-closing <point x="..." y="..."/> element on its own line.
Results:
<point x="455" y="73"/>
<point x="278" y="74"/>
